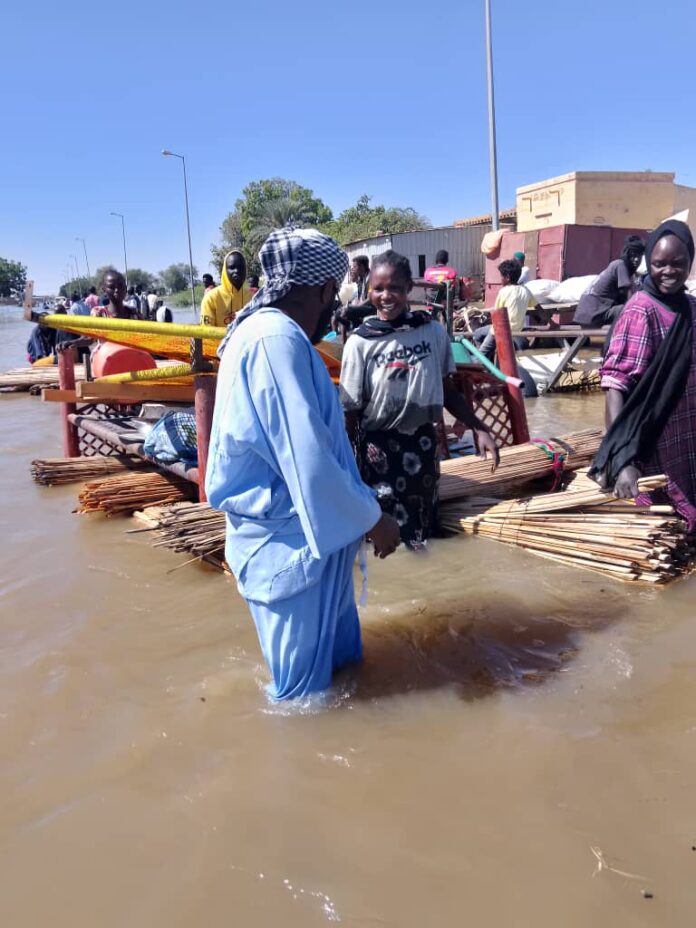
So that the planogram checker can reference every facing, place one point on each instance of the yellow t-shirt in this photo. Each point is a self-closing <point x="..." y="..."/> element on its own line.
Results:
<point x="517" y="300"/>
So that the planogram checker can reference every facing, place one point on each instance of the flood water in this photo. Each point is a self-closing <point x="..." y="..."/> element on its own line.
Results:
<point x="511" y="716"/>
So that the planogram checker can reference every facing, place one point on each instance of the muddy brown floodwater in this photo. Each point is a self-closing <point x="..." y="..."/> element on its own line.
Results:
<point x="518" y="748"/>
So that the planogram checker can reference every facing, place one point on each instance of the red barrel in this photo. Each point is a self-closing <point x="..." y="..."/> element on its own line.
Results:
<point x="109" y="358"/>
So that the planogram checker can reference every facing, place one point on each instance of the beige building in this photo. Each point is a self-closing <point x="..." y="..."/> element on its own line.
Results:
<point x="623" y="199"/>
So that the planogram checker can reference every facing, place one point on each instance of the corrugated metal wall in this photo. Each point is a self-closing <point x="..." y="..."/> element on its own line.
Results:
<point x="370" y="247"/>
<point x="463" y="245"/>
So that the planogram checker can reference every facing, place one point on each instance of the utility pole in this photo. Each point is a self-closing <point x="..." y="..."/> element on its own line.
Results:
<point x="173" y="154"/>
<point x="125" y="256"/>
<point x="492" y="151"/>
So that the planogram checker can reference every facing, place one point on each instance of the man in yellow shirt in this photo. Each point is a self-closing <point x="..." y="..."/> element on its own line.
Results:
<point x="221" y="304"/>
<point x="518" y="301"/>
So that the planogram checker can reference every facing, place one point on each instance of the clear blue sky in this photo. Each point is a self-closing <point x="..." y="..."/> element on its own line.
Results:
<point x="335" y="97"/>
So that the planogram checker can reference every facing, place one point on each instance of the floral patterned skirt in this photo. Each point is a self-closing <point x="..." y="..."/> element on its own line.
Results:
<point x="405" y="472"/>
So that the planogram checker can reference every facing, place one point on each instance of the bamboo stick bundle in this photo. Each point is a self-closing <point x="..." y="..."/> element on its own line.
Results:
<point x="198" y="529"/>
<point x="55" y="471"/>
<point x="572" y="498"/>
<point x="194" y="528"/>
<point x="586" y="527"/>
<point x="24" y="378"/>
<point x="127" y="493"/>
<point x="519" y="464"/>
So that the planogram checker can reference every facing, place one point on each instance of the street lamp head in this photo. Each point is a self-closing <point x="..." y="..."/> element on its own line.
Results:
<point x="165" y="152"/>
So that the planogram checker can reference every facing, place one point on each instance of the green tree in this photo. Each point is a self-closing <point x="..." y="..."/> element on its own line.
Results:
<point x="230" y="237"/>
<point x="364" y="221"/>
<point x="79" y="285"/>
<point x="139" y="278"/>
<point x="136" y="277"/>
<point x="266" y="205"/>
<point x="13" y="278"/>
<point x="177" y="277"/>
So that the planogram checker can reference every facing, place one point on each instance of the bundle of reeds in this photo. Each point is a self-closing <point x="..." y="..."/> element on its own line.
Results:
<point x="130" y="492"/>
<point x="194" y="528"/>
<point x="197" y="529"/>
<point x="24" y="378"/>
<point x="520" y="464"/>
<point x="54" y="471"/>
<point x="585" y="527"/>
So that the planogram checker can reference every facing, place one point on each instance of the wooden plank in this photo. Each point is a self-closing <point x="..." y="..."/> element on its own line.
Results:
<point x="565" y="361"/>
<point x="566" y="333"/>
<point x="51" y="395"/>
<point x="134" y="392"/>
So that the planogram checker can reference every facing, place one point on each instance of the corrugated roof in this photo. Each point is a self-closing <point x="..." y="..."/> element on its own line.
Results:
<point x="503" y="215"/>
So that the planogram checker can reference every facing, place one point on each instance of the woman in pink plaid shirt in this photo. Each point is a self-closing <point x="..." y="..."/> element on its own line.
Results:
<point x="649" y="375"/>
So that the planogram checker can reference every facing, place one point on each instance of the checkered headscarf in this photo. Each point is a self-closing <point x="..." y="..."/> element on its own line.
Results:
<point x="292" y="256"/>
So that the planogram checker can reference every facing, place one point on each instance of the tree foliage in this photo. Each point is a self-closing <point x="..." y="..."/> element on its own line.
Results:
<point x="137" y="277"/>
<point x="364" y="221"/>
<point x="13" y="278"/>
<point x="79" y="285"/>
<point x="177" y="277"/>
<point x="230" y="237"/>
<point x="266" y="205"/>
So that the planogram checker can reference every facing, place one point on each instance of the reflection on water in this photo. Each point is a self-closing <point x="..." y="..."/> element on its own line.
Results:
<point x="472" y="650"/>
<point x="510" y="716"/>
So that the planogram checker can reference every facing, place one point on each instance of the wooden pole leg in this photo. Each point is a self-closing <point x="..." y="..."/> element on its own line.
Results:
<point x="507" y="362"/>
<point x="204" y="386"/>
<point x="66" y="381"/>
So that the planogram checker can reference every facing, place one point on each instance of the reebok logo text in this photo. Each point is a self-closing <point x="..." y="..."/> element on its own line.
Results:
<point x="407" y="353"/>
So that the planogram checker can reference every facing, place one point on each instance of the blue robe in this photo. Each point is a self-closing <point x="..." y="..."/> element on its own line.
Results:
<point x="282" y="469"/>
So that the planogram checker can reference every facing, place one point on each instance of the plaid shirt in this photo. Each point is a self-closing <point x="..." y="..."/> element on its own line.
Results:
<point x="638" y="333"/>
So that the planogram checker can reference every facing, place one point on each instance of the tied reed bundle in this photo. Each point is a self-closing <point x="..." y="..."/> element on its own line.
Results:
<point x="197" y="529"/>
<point x="24" y="378"/>
<point x="520" y="464"/>
<point x="127" y="493"/>
<point x="585" y="527"/>
<point x="55" y="471"/>
<point x="194" y="528"/>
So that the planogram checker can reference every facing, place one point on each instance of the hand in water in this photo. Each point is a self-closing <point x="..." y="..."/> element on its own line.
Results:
<point x="487" y="446"/>
<point x="385" y="536"/>
<point x="626" y="486"/>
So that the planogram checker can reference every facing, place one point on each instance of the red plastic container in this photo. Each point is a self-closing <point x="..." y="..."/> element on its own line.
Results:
<point x="120" y="359"/>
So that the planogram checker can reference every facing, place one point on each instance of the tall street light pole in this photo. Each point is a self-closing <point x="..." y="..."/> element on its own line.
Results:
<point x="123" y="230"/>
<point x="492" y="153"/>
<point x="78" y="238"/>
<point x="172" y="154"/>
<point x="77" y="274"/>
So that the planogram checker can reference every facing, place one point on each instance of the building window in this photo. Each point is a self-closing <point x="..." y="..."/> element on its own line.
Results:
<point x="421" y="265"/>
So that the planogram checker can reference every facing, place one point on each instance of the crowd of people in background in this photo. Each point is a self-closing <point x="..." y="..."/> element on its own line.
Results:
<point x="219" y="305"/>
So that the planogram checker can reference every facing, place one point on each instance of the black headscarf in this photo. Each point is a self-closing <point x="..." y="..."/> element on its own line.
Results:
<point x="374" y="327"/>
<point x="633" y="435"/>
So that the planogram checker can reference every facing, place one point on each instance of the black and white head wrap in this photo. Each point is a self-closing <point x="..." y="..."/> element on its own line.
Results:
<point x="304" y="257"/>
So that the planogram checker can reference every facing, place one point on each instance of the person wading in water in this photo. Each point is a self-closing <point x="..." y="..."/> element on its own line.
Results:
<point x="282" y="469"/>
<point x="395" y="379"/>
<point x="649" y="375"/>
